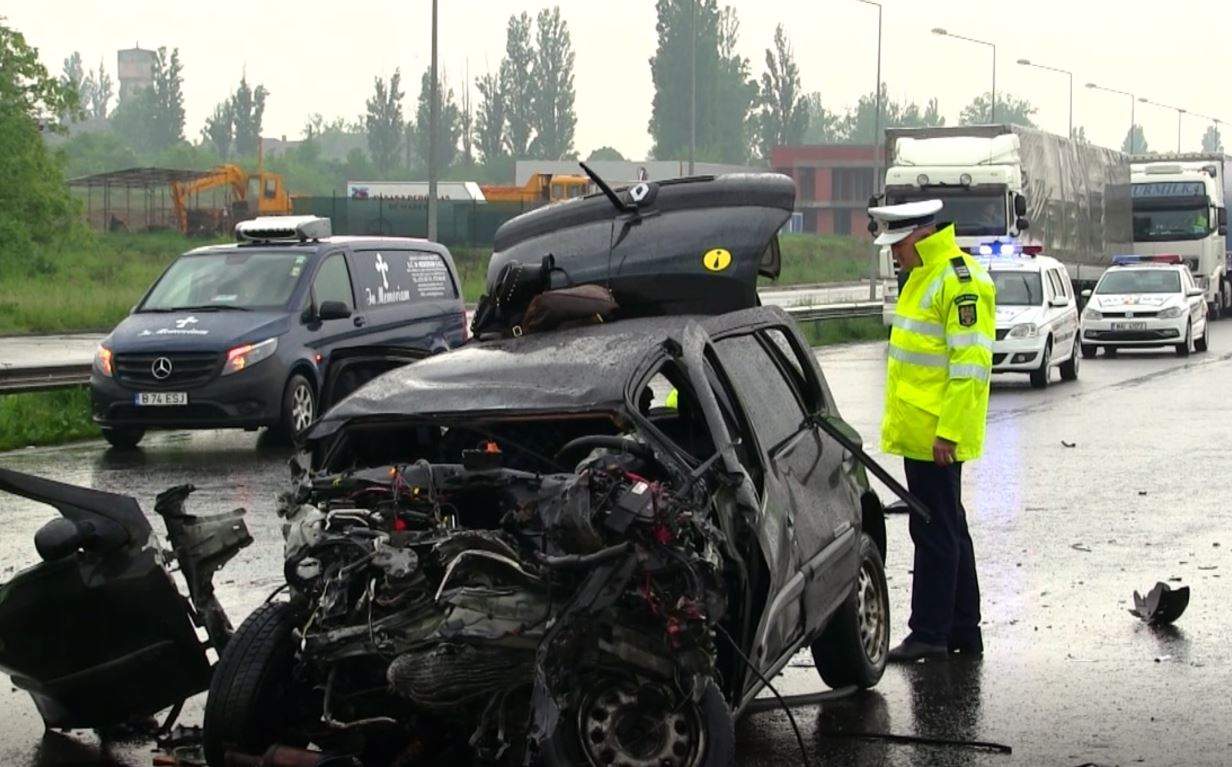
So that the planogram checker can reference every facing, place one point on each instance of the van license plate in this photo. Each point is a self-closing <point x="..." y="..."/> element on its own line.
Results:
<point x="162" y="398"/>
<point x="1129" y="326"/>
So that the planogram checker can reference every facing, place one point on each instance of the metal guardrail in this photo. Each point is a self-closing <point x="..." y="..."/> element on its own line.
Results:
<point x="17" y="380"/>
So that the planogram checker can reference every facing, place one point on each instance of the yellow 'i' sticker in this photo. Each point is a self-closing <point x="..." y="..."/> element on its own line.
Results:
<point x="716" y="260"/>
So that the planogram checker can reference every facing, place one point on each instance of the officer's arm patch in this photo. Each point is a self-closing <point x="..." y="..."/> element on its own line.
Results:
<point x="967" y="314"/>
<point x="961" y="269"/>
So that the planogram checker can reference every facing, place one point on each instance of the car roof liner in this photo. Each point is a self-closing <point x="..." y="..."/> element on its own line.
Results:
<point x="683" y="246"/>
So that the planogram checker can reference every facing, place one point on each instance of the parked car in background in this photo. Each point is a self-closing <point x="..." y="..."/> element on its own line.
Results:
<point x="1144" y="302"/>
<point x="1037" y="316"/>
<point x="239" y="335"/>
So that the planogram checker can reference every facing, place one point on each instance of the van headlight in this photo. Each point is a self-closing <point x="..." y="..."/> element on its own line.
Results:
<point x="102" y="361"/>
<point x="1092" y="314"/>
<point x="1025" y="330"/>
<point x="1172" y="312"/>
<point x="244" y="357"/>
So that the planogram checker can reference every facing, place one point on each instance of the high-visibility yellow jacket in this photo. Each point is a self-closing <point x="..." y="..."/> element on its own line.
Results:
<point x="940" y="356"/>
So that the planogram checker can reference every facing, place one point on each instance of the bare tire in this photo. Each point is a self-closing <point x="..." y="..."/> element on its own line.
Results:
<point x="611" y="726"/>
<point x="1201" y="344"/>
<point x="1069" y="368"/>
<point x="123" y="437"/>
<point x="299" y="407"/>
<point x="250" y="699"/>
<point x="1041" y="375"/>
<point x="853" y="647"/>
<point x="1183" y="348"/>
<point x="1089" y="350"/>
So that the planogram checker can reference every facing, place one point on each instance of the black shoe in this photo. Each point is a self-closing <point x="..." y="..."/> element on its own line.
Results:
<point x="972" y="647"/>
<point x="910" y="651"/>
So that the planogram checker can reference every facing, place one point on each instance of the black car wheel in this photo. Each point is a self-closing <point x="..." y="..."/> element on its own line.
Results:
<point x="123" y="437"/>
<point x="1040" y="376"/>
<point x="1203" y="343"/>
<point x="613" y="725"/>
<point x="1089" y="350"/>
<point x="299" y="407"/>
<point x="853" y="647"/>
<point x="1069" y="368"/>
<point x="250" y="698"/>
<point x="1183" y="349"/>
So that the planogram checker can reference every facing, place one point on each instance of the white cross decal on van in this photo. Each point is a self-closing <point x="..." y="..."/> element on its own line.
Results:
<point x="383" y="268"/>
<point x="189" y="320"/>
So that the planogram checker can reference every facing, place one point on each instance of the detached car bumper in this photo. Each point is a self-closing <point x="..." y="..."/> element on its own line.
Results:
<point x="1146" y="333"/>
<point x="248" y="399"/>
<point x="1017" y="355"/>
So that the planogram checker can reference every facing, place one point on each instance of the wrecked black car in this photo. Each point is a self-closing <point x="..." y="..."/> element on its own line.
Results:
<point x="588" y="537"/>
<point x="587" y="543"/>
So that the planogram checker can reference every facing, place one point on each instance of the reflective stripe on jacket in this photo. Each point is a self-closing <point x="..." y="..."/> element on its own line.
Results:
<point x="940" y="355"/>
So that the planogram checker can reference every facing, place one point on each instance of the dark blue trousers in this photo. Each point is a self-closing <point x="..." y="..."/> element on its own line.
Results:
<point x="945" y="591"/>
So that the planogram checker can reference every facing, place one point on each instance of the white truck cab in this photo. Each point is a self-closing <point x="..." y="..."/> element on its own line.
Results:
<point x="1179" y="204"/>
<point x="1037" y="316"/>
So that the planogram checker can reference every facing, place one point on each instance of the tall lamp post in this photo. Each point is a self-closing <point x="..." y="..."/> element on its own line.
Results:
<point x="877" y="153"/>
<point x="692" y="83"/>
<point x="1180" y="113"/>
<point x="1028" y="63"/>
<point x="1133" y="122"/>
<point x="432" y="137"/>
<point x="993" y="108"/>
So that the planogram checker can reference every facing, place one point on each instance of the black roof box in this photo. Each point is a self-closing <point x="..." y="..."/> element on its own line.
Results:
<point x="685" y="246"/>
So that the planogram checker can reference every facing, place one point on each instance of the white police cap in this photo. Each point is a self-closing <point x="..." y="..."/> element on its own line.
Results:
<point x="898" y="221"/>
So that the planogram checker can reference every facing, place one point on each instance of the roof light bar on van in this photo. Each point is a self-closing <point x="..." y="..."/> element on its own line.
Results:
<point x="1004" y="250"/>
<point x="283" y="228"/>
<point x="1170" y="258"/>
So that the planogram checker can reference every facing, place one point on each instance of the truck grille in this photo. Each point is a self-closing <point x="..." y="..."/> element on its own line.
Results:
<point x="187" y="369"/>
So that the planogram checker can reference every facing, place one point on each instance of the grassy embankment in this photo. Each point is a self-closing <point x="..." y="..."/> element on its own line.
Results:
<point x="91" y="286"/>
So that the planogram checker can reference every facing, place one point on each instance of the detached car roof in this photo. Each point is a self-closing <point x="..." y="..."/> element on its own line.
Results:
<point x="583" y="369"/>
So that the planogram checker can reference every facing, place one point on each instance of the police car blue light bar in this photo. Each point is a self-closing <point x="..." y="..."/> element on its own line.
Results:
<point x="1162" y="259"/>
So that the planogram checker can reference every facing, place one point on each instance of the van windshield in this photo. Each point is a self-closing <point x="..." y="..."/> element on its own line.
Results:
<point x="1018" y="288"/>
<point x="240" y="279"/>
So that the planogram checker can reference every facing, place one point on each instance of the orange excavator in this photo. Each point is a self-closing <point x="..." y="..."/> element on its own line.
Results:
<point x="257" y="194"/>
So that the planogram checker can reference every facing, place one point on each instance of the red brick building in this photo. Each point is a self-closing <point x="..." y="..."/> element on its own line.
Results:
<point x="833" y="182"/>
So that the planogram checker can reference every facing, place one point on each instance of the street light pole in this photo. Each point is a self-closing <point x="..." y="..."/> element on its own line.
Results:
<point x="1027" y="63"/>
<point x="432" y="137"/>
<point x="1133" y="122"/>
<point x="993" y="105"/>
<point x="1180" y="113"/>
<point x="874" y="260"/>
<point x="692" y="83"/>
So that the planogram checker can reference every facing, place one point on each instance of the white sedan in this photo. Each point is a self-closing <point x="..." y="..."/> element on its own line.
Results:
<point x="1144" y="304"/>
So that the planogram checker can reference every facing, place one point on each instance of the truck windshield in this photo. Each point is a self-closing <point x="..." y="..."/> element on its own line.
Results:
<point x="973" y="215"/>
<point x="1018" y="288"/>
<point x="240" y="279"/>
<point x="1137" y="281"/>
<point x="1162" y="225"/>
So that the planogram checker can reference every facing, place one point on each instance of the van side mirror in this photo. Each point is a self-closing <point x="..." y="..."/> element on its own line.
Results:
<point x="333" y="310"/>
<point x="1020" y="206"/>
<point x="1022" y="223"/>
<point x="1086" y="293"/>
<point x="1059" y="302"/>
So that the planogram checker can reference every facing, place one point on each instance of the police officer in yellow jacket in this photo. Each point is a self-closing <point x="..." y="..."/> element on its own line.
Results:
<point x="940" y="362"/>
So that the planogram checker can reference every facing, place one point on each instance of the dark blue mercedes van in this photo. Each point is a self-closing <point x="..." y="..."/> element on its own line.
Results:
<point x="241" y="335"/>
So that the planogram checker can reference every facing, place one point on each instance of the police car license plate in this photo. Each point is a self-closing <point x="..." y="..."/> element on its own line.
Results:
<point x="162" y="398"/>
<point x="1129" y="326"/>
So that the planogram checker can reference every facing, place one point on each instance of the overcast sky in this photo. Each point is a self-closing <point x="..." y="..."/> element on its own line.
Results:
<point x="317" y="56"/>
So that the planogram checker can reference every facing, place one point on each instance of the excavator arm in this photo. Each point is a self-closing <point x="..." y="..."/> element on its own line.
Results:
<point x="220" y="176"/>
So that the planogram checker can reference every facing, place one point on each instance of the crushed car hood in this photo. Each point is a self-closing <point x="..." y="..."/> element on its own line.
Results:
<point x="687" y="246"/>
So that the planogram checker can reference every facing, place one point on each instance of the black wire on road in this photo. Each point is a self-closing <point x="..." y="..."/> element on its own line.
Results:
<point x="982" y="745"/>
<point x="786" y="708"/>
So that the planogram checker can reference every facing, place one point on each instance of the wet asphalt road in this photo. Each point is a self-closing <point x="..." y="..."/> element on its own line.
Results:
<point x="1063" y="536"/>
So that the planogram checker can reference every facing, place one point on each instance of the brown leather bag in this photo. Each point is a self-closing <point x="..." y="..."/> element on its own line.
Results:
<point x="584" y="304"/>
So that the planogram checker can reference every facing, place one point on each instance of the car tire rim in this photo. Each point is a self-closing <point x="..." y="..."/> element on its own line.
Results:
<point x="871" y="614"/>
<point x="616" y="730"/>
<point x="301" y="408"/>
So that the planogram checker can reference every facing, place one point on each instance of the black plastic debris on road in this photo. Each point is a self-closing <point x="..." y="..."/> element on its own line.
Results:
<point x="1162" y="605"/>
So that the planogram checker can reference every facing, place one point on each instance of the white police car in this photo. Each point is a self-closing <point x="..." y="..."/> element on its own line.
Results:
<point x="1142" y="302"/>
<point x="1037" y="314"/>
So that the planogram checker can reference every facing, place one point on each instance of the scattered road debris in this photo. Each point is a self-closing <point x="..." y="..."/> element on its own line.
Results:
<point x="1162" y="605"/>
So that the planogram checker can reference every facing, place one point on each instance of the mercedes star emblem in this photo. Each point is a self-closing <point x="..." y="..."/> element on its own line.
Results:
<point x="161" y="368"/>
